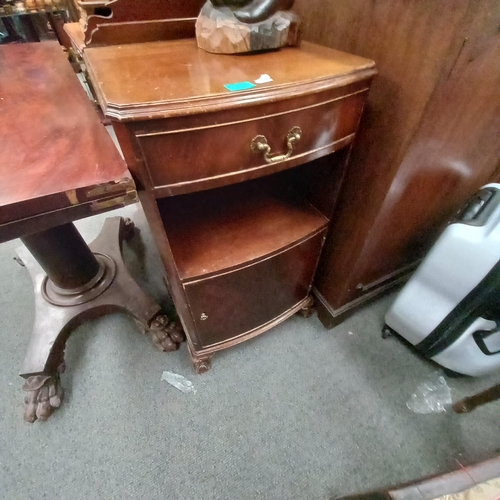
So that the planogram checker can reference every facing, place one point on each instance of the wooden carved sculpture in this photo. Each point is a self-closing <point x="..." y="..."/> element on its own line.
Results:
<point x="254" y="11"/>
<point x="232" y="26"/>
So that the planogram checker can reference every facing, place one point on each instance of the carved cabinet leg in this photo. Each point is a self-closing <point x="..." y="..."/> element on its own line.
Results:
<point x="201" y="363"/>
<point x="307" y="310"/>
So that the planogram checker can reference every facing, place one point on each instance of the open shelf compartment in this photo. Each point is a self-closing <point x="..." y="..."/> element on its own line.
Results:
<point x="221" y="230"/>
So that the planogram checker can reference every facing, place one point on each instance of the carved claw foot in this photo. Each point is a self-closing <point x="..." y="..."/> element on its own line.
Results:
<point x="202" y="365"/>
<point x="166" y="334"/>
<point x="128" y="229"/>
<point x="307" y="310"/>
<point x="44" y="395"/>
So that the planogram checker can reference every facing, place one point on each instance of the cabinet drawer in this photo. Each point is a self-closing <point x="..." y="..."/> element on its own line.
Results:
<point x="237" y="303"/>
<point x="217" y="153"/>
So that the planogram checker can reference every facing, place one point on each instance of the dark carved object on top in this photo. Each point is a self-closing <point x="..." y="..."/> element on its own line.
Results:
<point x="232" y="26"/>
<point x="230" y="3"/>
<point x="254" y="11"/>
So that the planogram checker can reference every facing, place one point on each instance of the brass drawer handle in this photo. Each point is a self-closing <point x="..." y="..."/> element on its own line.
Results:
<point x="259" y="144"/>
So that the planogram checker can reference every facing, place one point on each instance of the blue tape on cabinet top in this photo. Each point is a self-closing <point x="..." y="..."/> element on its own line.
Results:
<point x="234" y="87"/>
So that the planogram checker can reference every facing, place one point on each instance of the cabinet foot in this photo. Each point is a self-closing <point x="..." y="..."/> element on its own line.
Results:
<point x="201" y="364"/>
<point x="307" y="310"/>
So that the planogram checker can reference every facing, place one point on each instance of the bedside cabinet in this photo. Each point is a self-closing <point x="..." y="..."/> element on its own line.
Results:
<point x="238" y="187"/>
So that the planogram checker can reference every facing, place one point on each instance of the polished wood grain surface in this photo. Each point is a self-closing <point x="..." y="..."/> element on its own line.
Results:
<point x="76" y="36"/>
<point x="229" y="306"/>
<point x="123" y="11"/>
<point x="427" y="138"/>
<point x="142" y="32"/>
<point x="240" y="259"/>
<point x="147" y="144"/>
<point x="55" y="155"/>
<point x="163" y="79"/>
<point x="326" y="125"/>
<point x="455" y="150"/>
<point x="146" y="10"/>
<point x="130" y="32"/>
<point x="221" y="229"/>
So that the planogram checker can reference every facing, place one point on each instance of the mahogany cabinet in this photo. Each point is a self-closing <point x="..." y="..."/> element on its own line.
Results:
<point x="429" y="137"/>
<point x="238" y="187"/>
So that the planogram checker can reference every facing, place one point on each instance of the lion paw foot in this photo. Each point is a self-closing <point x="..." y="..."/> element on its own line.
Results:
<point x="44" y="395"/>
<point x="166" y="334"/>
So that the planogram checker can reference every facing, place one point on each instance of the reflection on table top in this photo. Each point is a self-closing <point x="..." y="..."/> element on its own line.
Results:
<point x="55" y="155"/>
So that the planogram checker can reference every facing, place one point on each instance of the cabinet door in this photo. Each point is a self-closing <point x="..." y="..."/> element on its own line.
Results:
<point x="238" y="303"/>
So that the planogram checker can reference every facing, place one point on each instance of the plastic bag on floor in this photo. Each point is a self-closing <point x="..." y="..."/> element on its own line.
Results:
<point x="431" y="396"/>
<point x="179" y="382"/>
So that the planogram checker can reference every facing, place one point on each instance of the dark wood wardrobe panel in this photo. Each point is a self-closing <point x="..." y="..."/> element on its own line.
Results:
<point x="426" y="140"/>
<point x="455" y="150"/>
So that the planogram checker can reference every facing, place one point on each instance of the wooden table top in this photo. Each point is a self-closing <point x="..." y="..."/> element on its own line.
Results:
<point x="57" y="161"/>
<point x="171" y="78"/>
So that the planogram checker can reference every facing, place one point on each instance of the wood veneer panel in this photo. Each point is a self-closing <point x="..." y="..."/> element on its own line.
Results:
<point x="455" y="150"/>
<point x="62" y="157"/>
<point x="223" y="149"/>
<point x="125" y="11"/>
<point x="235" y="304"/>
<point x="222" y="229"/>
<point x="175" y="78"/>
<point x="433" y="102"/>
